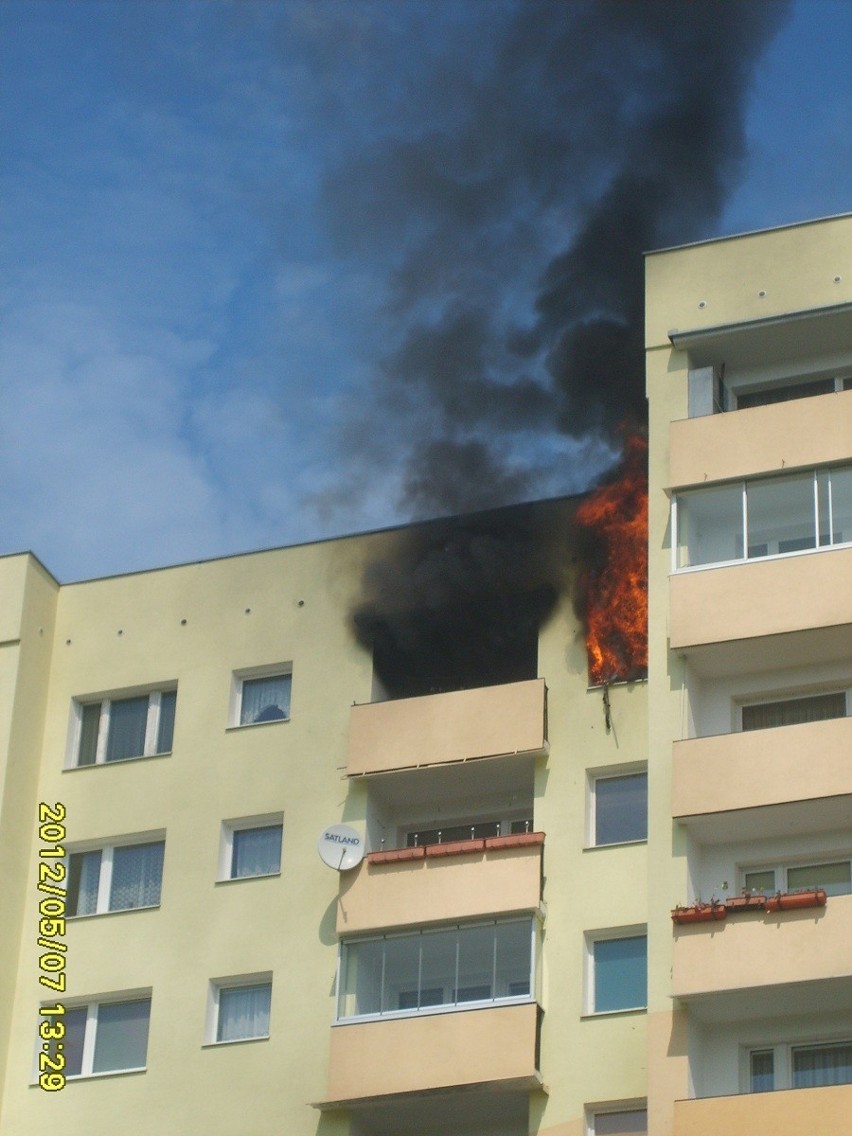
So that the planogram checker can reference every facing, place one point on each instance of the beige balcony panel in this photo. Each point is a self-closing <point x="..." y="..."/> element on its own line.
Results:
<point x="760" y="440"/>
<point x="762" y="767"/>
<point x="747" y="952"/>
<point x="792" y="1112"/>
<point x="433" y="1051"/>
<point x="455" y="726"/>
<point x="760" y="598"/>
<point x="433" y="889"/>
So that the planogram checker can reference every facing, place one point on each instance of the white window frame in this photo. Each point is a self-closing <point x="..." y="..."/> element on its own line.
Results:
<point x="105" y="701"/>
<point x="233" y="982"/>
<point x="239" y="677"/>
<point x="783" y="1059"/>
<point x="612" y="1108"/>
<point x="606" y="773"/>
<point x="92" y="1008"/>
<point x="780" y="868"/>
<point x="107" y="848"/>
<point x="602" y="935"/>
<point x="226" y="844"/>
<point x="820" y="525"/>
<point x="444" y="1007"/>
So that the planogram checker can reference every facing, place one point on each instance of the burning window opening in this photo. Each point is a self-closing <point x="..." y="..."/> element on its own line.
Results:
<point x="613" y="589"/>
<point x="458" y="603"/>
<point x="457" y="647"/>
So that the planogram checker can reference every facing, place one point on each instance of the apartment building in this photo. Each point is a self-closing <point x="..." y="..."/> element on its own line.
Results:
<point x="343" y="840"/>
<point x="178" y="741"/>
<point x="749" y="372"/>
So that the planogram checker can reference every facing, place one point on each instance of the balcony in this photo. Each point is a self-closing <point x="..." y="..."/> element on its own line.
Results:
<point x="758" y="768"/>
<point x="764" y="614"/>
<point x="487" y="1112"/>
<point x="456" y="726"/>
<point x="790" y="1112"/>
<point x="738" y="968"/>
<point x="746" y="443"/>
<point x="494" y="1047"/>
<point x="496" y="876"/>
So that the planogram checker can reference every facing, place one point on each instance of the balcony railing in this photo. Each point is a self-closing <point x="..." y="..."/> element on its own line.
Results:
<point x="459" y="725"/>
<point x="749" y="443"/>
<point x="790" y="1112"/>
<point x="764" y="951"/>
<point x="790" y="595"/>
<point x="802" y="762"/>
<point x="495" y="1046"/>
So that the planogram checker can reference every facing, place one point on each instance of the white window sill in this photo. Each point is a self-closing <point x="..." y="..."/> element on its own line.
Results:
<point x="256" y="725"/>
<point x="116" y="911"/>
<point x="615" y="844"/>
<point x="613" y="1013"/>
<point x="98" y="1076"/>
<point x="245" y="879"/>
<point x="234" y="1041"/>
<point x="118" y="761"/>
<point x="759" y="559"/>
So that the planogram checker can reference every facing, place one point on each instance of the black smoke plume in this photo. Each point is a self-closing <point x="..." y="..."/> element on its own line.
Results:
<point x="520" y="174"/>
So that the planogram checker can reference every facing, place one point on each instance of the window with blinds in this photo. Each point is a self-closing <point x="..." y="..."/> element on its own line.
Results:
<point x="794" y="711"/>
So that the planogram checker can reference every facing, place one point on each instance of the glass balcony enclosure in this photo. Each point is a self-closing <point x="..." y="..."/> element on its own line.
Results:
<point x="762" y="517"/>
<point x="444" y="968"/>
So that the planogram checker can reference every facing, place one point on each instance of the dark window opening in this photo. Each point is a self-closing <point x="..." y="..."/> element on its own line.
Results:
<point x="487" y="642"/>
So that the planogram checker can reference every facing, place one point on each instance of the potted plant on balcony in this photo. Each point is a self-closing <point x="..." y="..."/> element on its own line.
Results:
<point x="748" y="901"/>
<point x="795" y="900"/>
<point x="700" y="912"/>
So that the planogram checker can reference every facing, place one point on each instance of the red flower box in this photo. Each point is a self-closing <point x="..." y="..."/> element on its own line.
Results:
<point x="795" y="900"/>
<point x="455" y="847"/>
<point x="699" y="913"/>
<point x="514" y="840"/>
<point x="394" y="855"/>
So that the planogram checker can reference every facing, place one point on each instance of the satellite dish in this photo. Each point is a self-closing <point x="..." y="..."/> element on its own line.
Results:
<point x="340" y="847"/>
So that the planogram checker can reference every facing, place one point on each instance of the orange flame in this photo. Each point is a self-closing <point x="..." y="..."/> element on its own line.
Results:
<point x="616" y="585"/>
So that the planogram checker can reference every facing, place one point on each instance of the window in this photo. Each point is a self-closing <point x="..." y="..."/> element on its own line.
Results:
<point x="251" y="846"/>
<point x="114" y="878"/>
<point x="617" y="972"/>
<point x="115" y="729"/>
<point x="103" y="1037"/>
<point x="628" y="1122"/>
<point x="800" y="1066"/>
<point x="450" y="967"/>
<point x="261" y="696"/>
<point x="240" y="1008"/>
<point x="793" y="711"/>
<point x="834" y="877"/>
<point x="618" y="808"/>
<point x="764" y="517"/>
<point x="785" y="392"/>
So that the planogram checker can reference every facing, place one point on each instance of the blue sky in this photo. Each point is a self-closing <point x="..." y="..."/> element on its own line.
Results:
<point x="220" y="246"/>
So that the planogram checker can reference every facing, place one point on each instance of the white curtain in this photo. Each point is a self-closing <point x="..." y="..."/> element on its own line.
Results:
<point x="822" y="1065"/>
<point x="137" y="871"/>
<point x="256" y="851"/>
<point x="265" y="699"/>
<point x="244" y="1012"/>
<point x="83" y="879"/>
